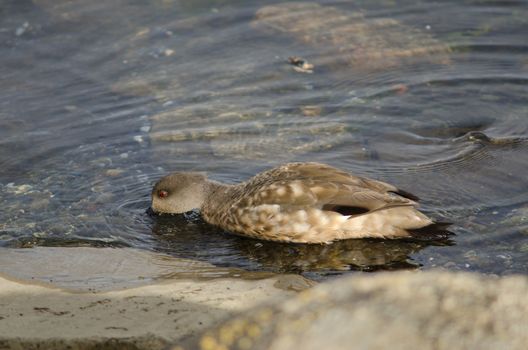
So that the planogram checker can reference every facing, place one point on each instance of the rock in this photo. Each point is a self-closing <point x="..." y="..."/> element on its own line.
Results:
<point x="39" y="203"/>
<point x="430" y="310"/>
<point x="253" y="134"/>
<point x="517" y="217"/>
<point x="89" y="298"/>
<point x="311" y="111"/>
<point x="18" y="190"/>
<point x="22" y="29"/>
<point x="114" y="172"/>
<point x="78" y="11"/>
<point x="244" y="111"/>
<point x="350" y="38"/>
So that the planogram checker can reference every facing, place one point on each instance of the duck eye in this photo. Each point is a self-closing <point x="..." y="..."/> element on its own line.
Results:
<point x="163" y="194"/>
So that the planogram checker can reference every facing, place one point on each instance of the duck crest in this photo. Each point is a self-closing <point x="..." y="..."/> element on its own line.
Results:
<point x="312" y="203"/>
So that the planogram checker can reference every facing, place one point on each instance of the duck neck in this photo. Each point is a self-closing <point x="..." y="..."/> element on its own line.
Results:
<point x="215" y="194"/>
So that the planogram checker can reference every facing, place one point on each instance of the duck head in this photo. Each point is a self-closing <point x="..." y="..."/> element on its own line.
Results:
<point x="179" y="193"/>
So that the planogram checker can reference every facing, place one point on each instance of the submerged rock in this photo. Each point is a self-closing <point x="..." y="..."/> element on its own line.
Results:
<point x="80" y="11"/>
<point x="351" y="39"/>
<point x="243" y="112"/>
<point x="253" y="134"/>
<point x="397" y="311"/>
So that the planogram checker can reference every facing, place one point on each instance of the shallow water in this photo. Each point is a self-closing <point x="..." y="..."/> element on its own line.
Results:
<point x="99" y="101"/>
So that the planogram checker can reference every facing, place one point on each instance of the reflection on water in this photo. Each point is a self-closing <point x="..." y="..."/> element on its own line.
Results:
<point x="191" y="238"/>
<point x="96" y="107"/>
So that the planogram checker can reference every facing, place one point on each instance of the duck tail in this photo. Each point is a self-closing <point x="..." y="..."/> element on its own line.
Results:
<point x="406" y="194"/>
<point x="436" y="231"/>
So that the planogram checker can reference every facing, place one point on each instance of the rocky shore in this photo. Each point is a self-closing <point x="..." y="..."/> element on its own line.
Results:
<point x="401" y="310"/>
<point x="114" y="310"/>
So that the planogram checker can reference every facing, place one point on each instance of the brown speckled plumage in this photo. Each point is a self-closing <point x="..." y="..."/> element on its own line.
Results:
<point x="296" y="202"/>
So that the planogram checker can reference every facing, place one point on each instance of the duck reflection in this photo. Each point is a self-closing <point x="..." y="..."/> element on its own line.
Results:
<point x="189" y="237"/>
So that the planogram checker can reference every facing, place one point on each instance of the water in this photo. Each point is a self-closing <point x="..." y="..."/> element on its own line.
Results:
<point x="100" y="100"/>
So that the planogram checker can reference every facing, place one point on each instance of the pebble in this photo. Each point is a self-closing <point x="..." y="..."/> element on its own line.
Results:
<point x="70" y="108"/>
<point x="39" y="204"/>
<point x="450" y="265"/>
<point x="22" y="29"/>
<point x="114" y="172"/>
<point x="104" y="198"/>
<point x="98" y="189"/>
<point x="22" y="189"/>
<point x="524" y="248"/>
<point x="102" y="162"/>
<point x="471" y="254"/>
<point x="311" y="111"/>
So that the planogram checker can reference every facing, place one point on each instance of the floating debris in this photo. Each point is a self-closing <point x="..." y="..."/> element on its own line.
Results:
<point x="301" y="65"/>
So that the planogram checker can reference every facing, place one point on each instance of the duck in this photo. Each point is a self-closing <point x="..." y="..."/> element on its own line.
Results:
<point x="296" y="202"/>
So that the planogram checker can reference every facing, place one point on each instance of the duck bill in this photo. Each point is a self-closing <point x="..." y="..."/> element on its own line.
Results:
<point x="151" y="212"/>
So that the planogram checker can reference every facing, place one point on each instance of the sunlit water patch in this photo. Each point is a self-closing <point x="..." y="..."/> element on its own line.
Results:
<point x="432" y="97"/>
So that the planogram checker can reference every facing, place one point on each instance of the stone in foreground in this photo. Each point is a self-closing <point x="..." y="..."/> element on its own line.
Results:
<point x="430" y="310"/>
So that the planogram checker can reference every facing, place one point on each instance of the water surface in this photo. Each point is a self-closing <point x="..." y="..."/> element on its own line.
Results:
<point x="100" y="100"/>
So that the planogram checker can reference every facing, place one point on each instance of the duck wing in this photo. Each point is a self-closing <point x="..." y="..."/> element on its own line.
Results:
<point x="321" y="186"/>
